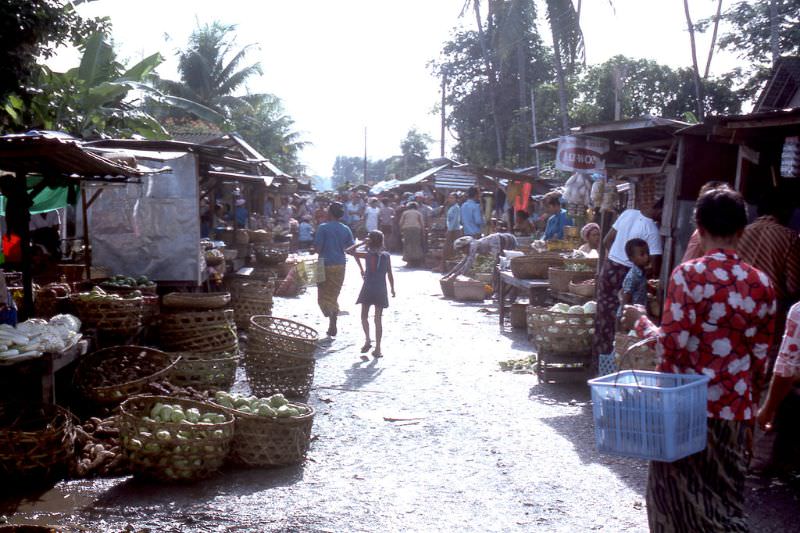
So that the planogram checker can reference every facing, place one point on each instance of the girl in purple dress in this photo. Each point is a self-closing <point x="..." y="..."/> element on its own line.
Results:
<point x="373" y="292"/>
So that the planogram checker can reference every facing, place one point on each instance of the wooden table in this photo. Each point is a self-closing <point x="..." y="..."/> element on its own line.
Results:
<point x="537" y="290"/>
<point x="53" y="362"/>
<point x="22" y="377"/>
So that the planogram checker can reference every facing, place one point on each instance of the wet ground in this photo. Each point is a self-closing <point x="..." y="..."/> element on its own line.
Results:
<point x="433" y="436"/>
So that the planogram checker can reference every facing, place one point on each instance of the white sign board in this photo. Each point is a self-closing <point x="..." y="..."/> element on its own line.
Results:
<point x="581" y="154"/>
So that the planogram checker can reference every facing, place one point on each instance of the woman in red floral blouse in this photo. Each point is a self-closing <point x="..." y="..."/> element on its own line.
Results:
<point x="718" y="320"/>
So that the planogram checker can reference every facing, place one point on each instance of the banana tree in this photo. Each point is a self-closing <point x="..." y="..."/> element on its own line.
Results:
<point x="99" y="97"/>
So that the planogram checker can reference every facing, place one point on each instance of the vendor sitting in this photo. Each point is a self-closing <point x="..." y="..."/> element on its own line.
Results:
<point x="590" y="234"/>
<point x="558" y="217"/>
<point x="493" y="244"/>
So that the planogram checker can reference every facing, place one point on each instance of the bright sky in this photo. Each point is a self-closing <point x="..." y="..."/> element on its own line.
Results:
<point x="342" y="65"/>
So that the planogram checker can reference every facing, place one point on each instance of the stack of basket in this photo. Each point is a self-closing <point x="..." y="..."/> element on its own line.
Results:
<point x="250" y="297"/>
<point x="280" y="357"/>
<point x="201" y="330"/>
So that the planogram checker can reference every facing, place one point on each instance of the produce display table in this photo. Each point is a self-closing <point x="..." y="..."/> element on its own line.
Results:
<point x="42" y="370"/>
<point x="537" y="290"/>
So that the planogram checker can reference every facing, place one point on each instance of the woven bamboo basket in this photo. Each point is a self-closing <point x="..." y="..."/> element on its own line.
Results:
<point x="469" y="291"/>
<point x="150" y="290"/>
<point x="587" y="290"/>
<point x="121" y="317"/>
<point x="271" y="372"/>
<point x="52" y="299"/>
<point x="192" y="451"/>
<point x="150" y="310"/>
<point x="266" y="255"/>
<point x="112" y="375"/>
<point x="260" y="237"/>
<point x="447" y="287"/>
<point x="629" y="358"/>
<point x="214" y="339"/>
<point x="241" y="236"/>
<point x="262" y="441"/>
<point x="250" y="297"/>
<point x="285" y="336"/>
<point x="535" y="266"/>
<point x="36" y="441"/>
<point x="205" y="371"/>
<point x="560" y="333"/>
<point x="197" y="300"/>
<point x="561" y="278"/>
<point x="194" y="322"/>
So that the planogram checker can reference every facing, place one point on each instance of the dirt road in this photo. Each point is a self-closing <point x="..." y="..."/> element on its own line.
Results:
<point x="433" y="436"/>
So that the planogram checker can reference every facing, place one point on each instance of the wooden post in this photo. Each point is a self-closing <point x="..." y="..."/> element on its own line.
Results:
<point x="87" y="250"/>
<point x="21" y="194"/>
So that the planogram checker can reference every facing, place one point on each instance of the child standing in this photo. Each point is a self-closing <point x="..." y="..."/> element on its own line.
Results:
<point x="634" y="286"/>
<point x="373" y="292"/>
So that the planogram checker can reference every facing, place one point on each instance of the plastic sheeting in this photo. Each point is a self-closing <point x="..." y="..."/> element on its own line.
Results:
<point x="150" y="228"/>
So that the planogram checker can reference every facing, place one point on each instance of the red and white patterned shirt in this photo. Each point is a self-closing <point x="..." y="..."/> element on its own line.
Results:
<point x="787" y="364"/>
<point x="718" y="320"/>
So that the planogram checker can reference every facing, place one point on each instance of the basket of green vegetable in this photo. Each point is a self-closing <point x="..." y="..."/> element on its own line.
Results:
<point x="204" y="371"/>
<point x="36" y="441"/>
<point x="125" y="284"/>
<point x="171" y="439"/>
<point x="111" y="314"/>
<point x="269" y="431"/>
<point x="110" y="376"/>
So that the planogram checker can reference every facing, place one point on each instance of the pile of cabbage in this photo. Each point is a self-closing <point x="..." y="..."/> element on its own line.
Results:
<point x="36" y="336"/>
<point x="175" y="414"/>
<point x="275" y="406"/>
<point x="589" y="308"/>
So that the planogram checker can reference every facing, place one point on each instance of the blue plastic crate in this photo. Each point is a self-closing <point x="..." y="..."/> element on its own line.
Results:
<point x="650" y="415"/>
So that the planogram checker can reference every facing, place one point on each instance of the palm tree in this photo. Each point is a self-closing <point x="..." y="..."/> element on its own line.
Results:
<point x="568" y="48"/>
<point x="211" y="69"/>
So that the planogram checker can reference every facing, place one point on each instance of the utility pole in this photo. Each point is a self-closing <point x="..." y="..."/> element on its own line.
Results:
<point x="365" y="155"/>
<point x="444" y="114"/>
<point x="533" y="128"/>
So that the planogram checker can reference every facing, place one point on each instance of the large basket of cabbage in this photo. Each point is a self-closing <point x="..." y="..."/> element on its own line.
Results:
<point x="562" y="329"/>
<point x="37" y="441"/>
<point x="630" y="353"/>
<point x="269" y="431"/>
<point x="270" y="371"/>
<point x="173" y="439"/>
<point x="205" y="371"/>
<point x="284" y="336"/>
<point x="535" y="266"/>
<point x="560" y="278"/>
<point x="112" y="375"/>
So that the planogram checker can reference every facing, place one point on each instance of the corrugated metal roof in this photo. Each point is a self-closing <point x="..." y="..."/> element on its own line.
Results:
<point x="60" y="155"/>
<point x="782" y="87"/>
<point x="454" y="178"/>
<point x="422" y="176"/>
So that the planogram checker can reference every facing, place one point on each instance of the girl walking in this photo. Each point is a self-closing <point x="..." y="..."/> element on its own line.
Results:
<point x="373" y="292"/>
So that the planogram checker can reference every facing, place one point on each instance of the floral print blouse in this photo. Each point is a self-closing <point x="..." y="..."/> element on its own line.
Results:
<point x="718" y="320"/>
<point x="787" y="364"/>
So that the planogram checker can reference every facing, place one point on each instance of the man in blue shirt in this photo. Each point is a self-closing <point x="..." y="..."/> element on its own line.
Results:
<point x="331" y="241"/>
<point x="453" y="220"/>
<point x="471" y="218"/>
<point x="558" y="217"/>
